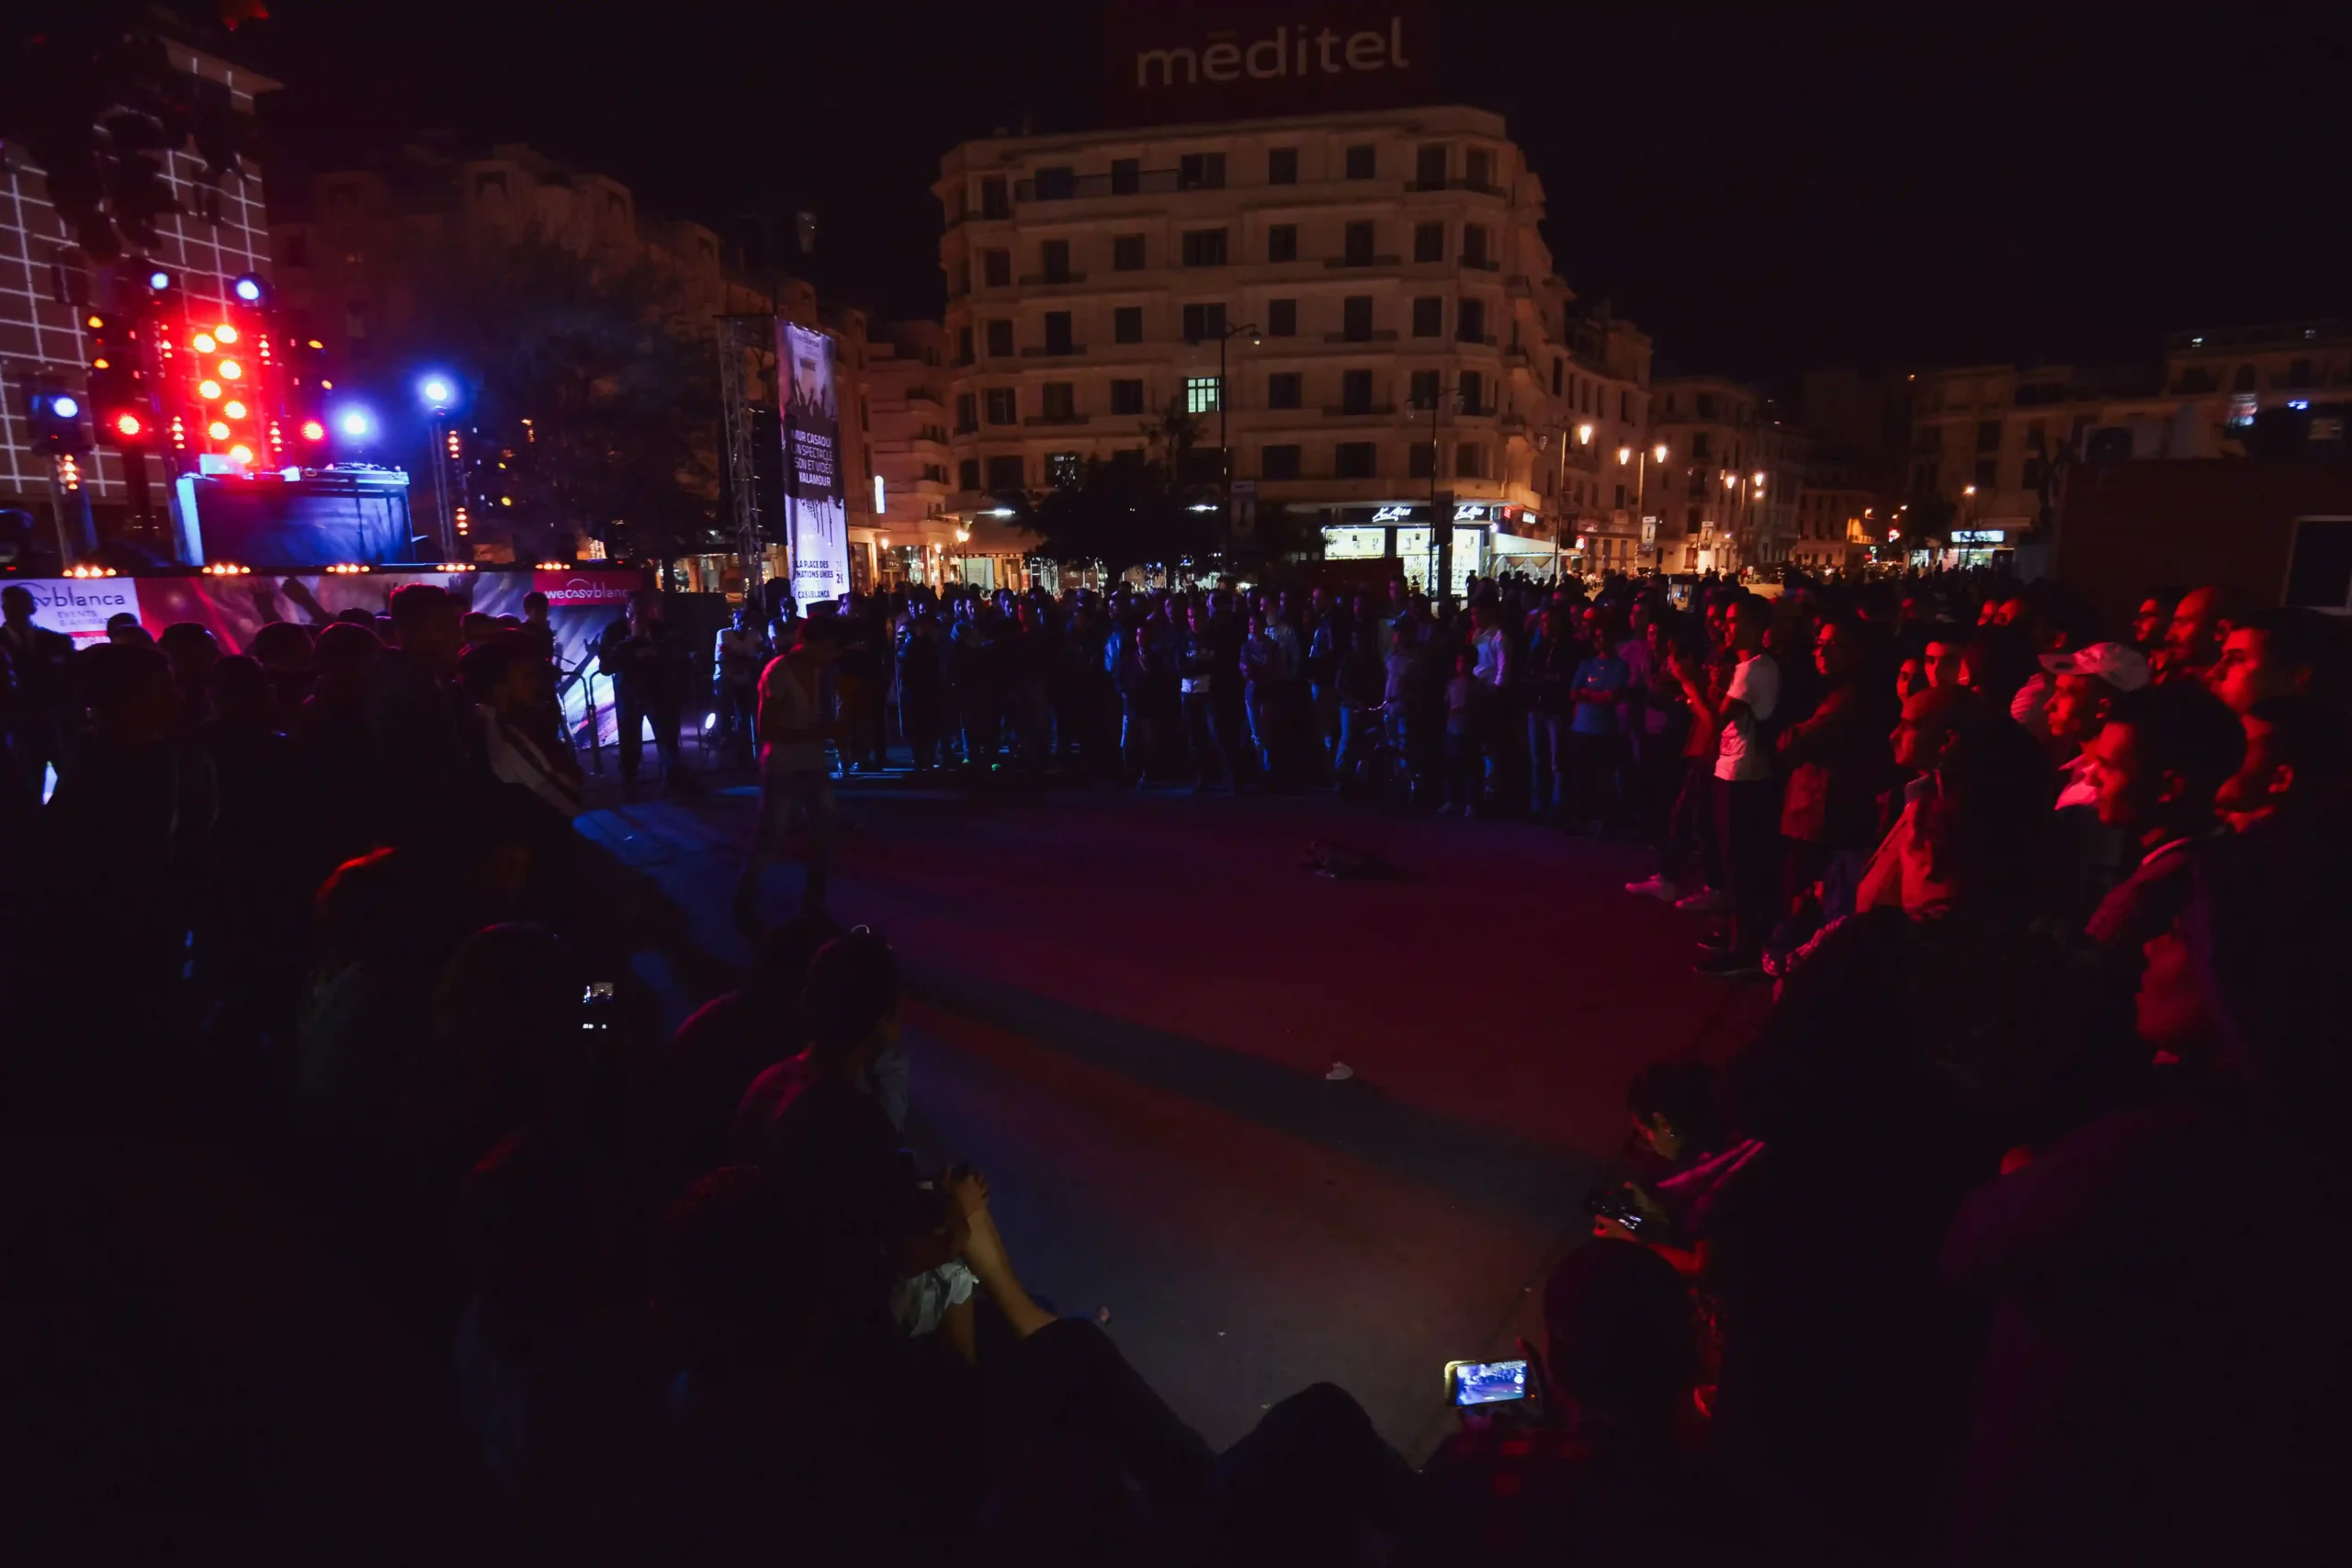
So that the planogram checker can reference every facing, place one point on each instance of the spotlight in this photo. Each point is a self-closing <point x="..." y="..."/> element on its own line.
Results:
<point x="249" y="288"/>
<point x="65" y="406"/>
<point x="314" y="431"/>
<point x="438" y="391"/>
<point x="355" y="423"/>
<point x="218" y="431"/>
<point x="159" y="281"/>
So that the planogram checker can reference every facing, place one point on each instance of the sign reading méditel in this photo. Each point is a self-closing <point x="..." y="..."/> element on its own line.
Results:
<point x="1169" y="64"/>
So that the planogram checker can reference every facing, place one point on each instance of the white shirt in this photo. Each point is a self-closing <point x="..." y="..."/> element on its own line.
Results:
<point x="2076" y="786"/>
<point x="1756" y="683"/>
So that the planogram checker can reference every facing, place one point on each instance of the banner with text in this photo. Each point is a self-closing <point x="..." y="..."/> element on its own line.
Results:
<point x="814" y="502"/>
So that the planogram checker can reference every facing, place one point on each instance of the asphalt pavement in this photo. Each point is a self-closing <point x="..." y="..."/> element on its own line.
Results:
<point x="1125" y="1007"/>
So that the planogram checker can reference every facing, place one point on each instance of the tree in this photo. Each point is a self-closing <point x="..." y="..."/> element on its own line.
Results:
<point x="90" y="92"/>
<point x="599" y="397"/>
<point x="1162" y="507"/>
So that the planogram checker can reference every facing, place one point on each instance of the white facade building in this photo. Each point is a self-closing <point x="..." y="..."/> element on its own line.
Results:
<point x="1359" y="306"/>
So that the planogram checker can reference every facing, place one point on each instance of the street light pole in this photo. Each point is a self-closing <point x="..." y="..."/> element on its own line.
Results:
<point x="1224" y="445"/>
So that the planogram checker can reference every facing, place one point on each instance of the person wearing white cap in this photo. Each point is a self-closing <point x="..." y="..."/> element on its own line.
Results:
<point x="2088" y="681"/>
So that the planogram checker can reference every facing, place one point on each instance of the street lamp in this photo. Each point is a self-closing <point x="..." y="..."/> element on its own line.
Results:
<point x="1224" y="401"/>
<point x="439" y="393"/>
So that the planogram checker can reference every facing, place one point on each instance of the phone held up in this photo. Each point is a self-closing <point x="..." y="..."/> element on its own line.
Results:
<point x="1472" y="1383"/>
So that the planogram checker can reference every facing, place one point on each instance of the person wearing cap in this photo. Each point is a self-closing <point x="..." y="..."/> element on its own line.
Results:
<point x="2088" y="681"/>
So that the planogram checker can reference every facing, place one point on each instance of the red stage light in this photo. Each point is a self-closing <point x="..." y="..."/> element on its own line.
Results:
<point x="314" y="431"/>
<point x="128" y="423"/>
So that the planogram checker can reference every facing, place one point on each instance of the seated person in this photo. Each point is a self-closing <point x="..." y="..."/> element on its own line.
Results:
<point x="818" y="1122"/>
<point x="1603" y="1473"/>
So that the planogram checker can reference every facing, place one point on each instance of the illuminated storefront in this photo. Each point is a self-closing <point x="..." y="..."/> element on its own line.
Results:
<point x="1486" y="539"/>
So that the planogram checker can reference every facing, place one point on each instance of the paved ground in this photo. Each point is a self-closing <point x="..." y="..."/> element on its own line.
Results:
<point x="1125" y="1007"/>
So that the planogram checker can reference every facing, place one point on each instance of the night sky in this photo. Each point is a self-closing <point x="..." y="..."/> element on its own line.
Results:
<point x="1763" y="193"/>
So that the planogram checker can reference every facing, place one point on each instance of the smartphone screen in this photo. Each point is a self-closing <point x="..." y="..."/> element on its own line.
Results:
<point x="596" y="1000"/>
<point x="1488" y="1383"/>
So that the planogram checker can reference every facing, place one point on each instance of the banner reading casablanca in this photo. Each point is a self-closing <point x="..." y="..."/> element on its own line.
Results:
<point x="817" y="516"/>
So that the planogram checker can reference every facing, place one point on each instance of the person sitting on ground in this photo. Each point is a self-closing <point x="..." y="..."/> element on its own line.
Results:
<point x="822" y="1122"/>
<point x="724" y="1046"/>
<point x="1608" y="1474"/>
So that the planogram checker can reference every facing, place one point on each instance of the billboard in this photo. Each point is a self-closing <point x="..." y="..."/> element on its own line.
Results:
<point x="816" y="511"/>
<point x="1171" y="64"/>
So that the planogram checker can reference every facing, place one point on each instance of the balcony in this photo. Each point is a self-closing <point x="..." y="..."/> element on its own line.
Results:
<point x="1052" y="351"/>
<point x="1478" y="187"/>
<point x="1483" y="263"/>
<point x="1362" y="410"/>
<point x="1518" y="286"/>
<point x="1050" y="279"/>
<point x="1517" y="357"/>
<point x="1484" y="340"/>
<point x="1384" y="334"/>
<point x="1085" y="188"/>
<point x="925" y="395"/>
<point x="1051" y="420"/>
<point x="1335" y="263"/>
<point x="1513" y="424"/>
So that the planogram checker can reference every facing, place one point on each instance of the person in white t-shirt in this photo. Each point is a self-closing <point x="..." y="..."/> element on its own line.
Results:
<point x="1748" y="796"/>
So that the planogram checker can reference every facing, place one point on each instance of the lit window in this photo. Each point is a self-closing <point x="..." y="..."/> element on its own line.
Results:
<point x="1201" y="394"/>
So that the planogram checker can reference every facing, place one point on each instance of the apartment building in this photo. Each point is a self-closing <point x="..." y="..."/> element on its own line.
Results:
<point x="1359" y="307"/>
<point x="1994" y="440"/>
<point x="1725" y="490"/>
<point x="917" y="537"/>
<point x="48" y="283"/>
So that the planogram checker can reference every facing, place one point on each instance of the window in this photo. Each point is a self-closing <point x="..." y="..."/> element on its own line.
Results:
<point x="1625" y="407"/>
<point x="1420" y="460"/>
<point x="1064" y="469"/>
<point x="968" y="474"/>
<point x="963" y="276"/>
<point x="1358" y="250"/>
<point x="2245" y="380"/>
<point x="1429" y="242"/>
<point x="1056" y="260"/>
<point x="966" y="419"/>
<point x="1203" y="323"/>
<point x="994" y="200"/>
<point x="1362" y="162"/>
<point x="1355" y="391"/>
<point x="1002" y="407"/>
<point x="1058" y="336"/>
<point x="1126" y="397"/>
<point x="1282" y="166"/>
<point x="1702" y="445"/>
<point x="1282" y="318"/>
<point x="1126" y="176"/>
<point x="1355" y="318"/>
<point x="1283" y="389"/>
<point x="1470" y="321"/>
<point x="1474" y="237"/>
<point x="963" y="346"/>
<point x="1474" y="392"/>
<point x="1621" y="498"/>
<point x="1200" y="394"/>
<point x="1126" y="324"/>
<point x="1988" y="473"/>
<point x="1478" y="169"/>
<point x="1706" y="405"/>
<point x="1201" y="171"/>
<point x="1005" y="473"/>
<point x="1282" y="242"/>
<point x="1000" y="337"/>
<point x="1061" y="401"/>
<point x="1058" y="183"/>
<point x="1557" y="370"/>
<point x="1278" y="462"/>
<point x="1355" y="459"/>
<point x="1424" y="388"/>
<point x="1429" y="166"/>
<point x="2031" y="478"/>
<point x="1469" y="461"/>
<point x="1204" y="247"/>
<point x="1126" y="253"/>
<point x="1988" y="435"/>
<point x="1429" y="317"/>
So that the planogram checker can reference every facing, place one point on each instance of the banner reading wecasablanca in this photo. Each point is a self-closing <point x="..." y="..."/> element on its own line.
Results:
<point x="816" y="512"/>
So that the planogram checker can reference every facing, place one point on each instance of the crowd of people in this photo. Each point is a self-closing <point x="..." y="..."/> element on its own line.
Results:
<point x="1993" y="1246"/>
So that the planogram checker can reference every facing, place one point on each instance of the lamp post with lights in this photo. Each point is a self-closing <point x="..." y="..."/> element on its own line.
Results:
<point x="1640" y="463"/>
<point x="1224" y="445"/>
<point x="439" y="393"/>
